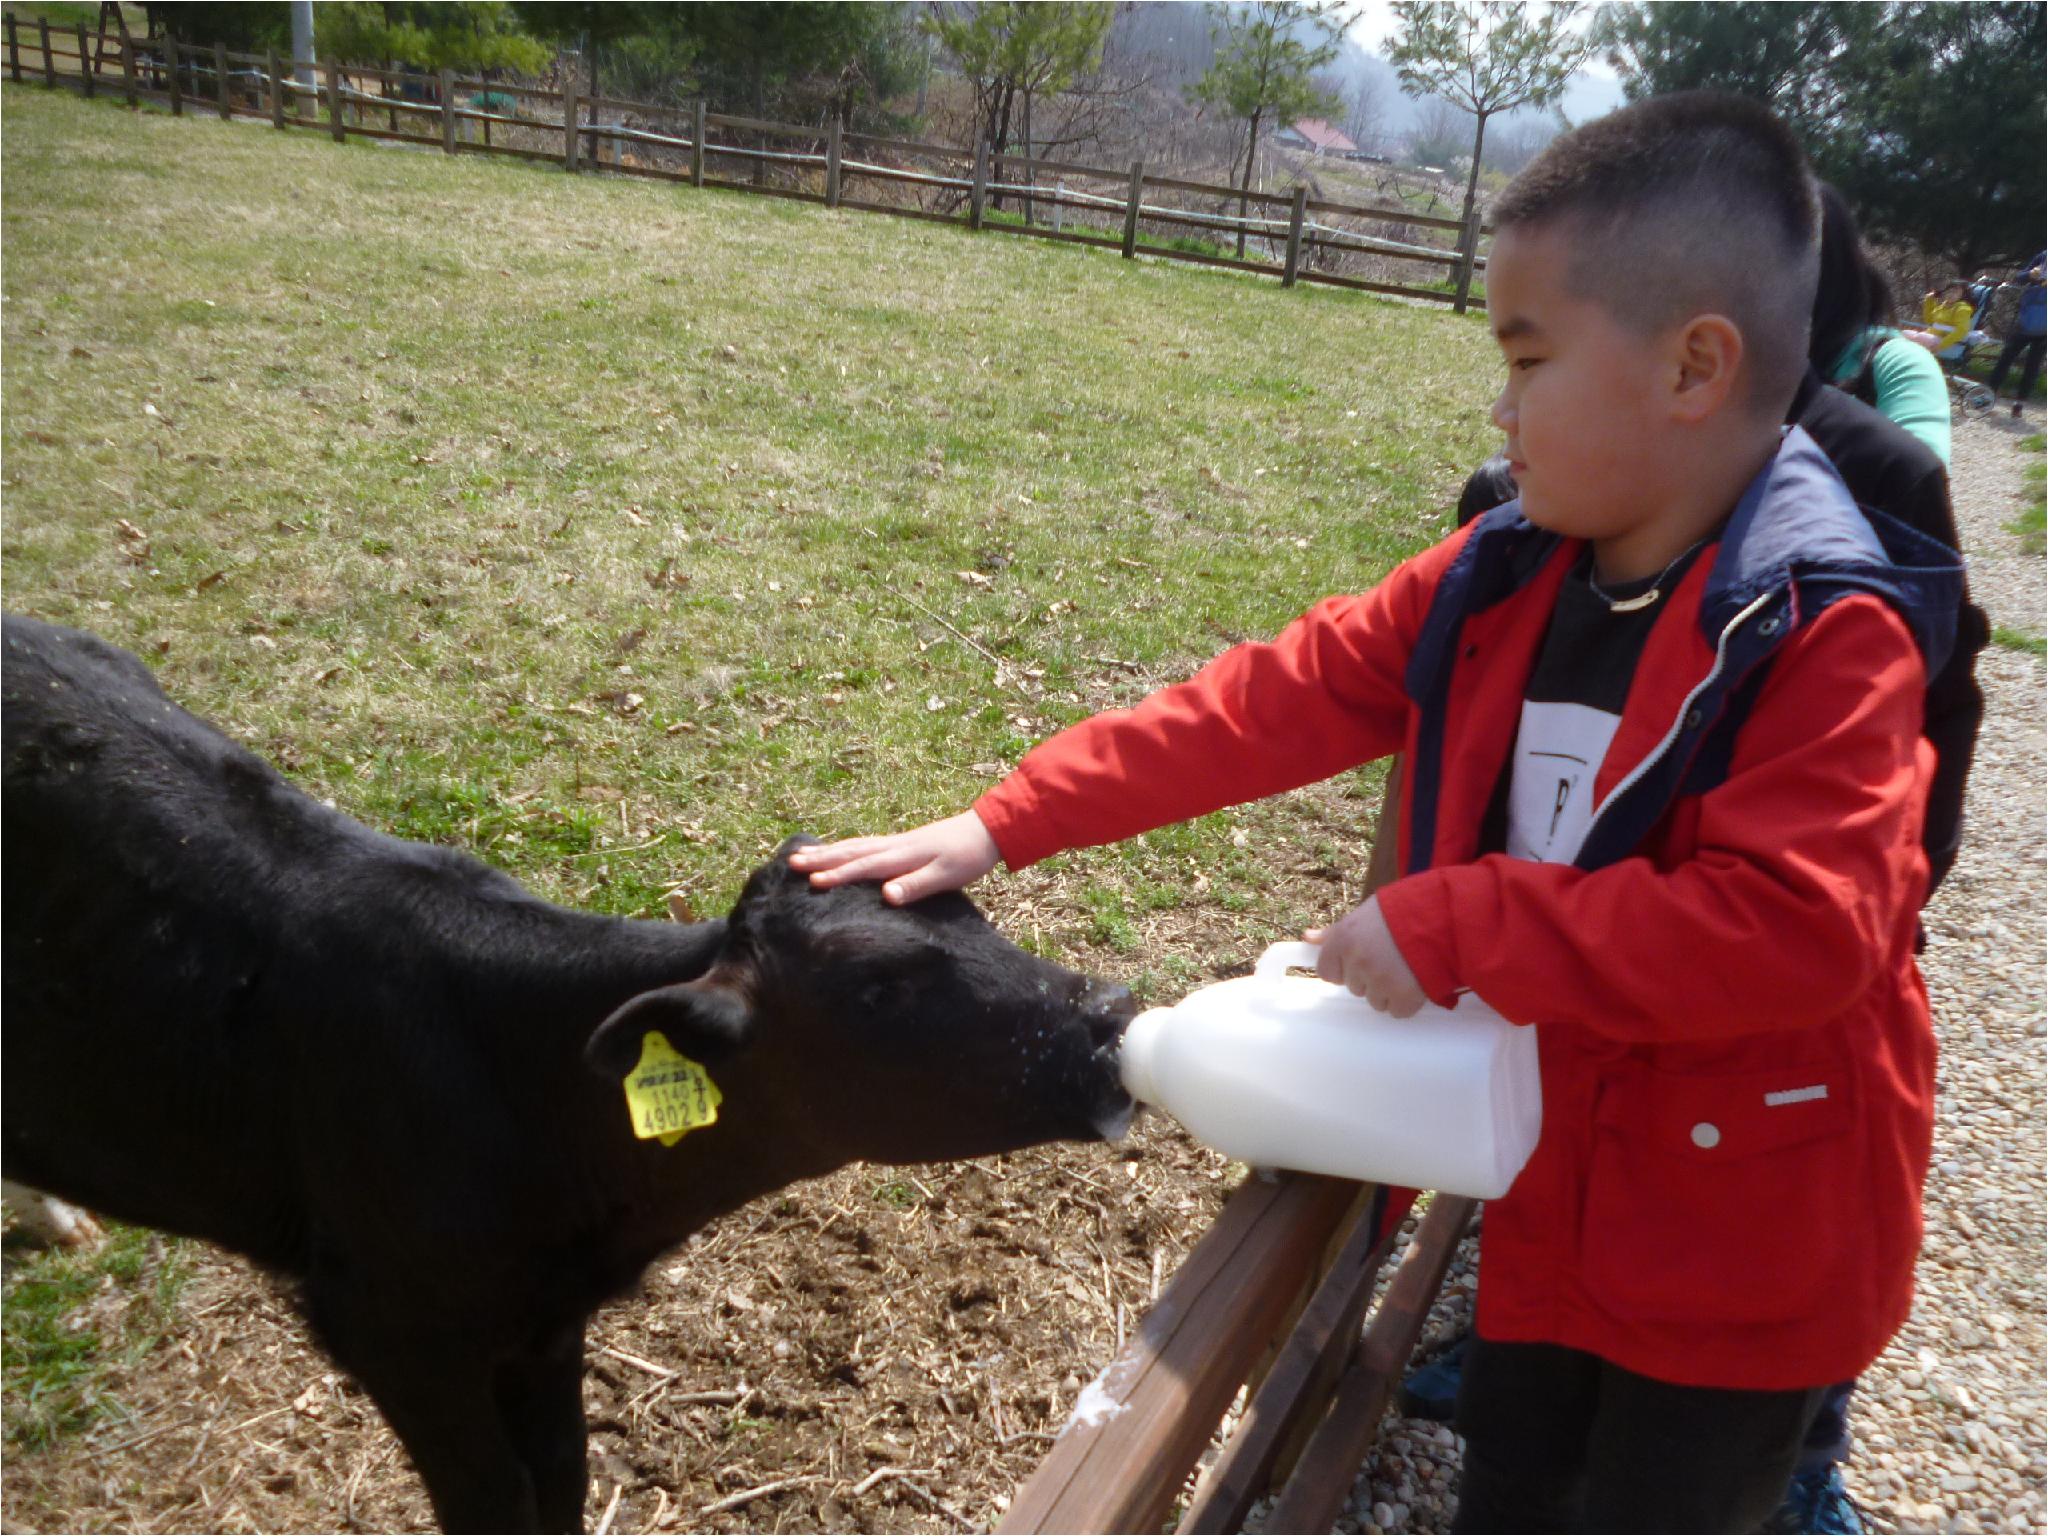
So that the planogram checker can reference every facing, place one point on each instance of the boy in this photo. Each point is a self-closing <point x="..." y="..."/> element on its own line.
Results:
<point x="1661" y="720"/>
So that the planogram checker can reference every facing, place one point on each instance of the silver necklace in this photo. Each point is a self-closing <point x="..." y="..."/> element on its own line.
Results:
<point x="1643" y="599"/>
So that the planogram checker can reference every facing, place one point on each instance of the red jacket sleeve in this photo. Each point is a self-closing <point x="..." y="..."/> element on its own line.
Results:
<point x="1324" y="696"/>
<point x="1803" y="859"/>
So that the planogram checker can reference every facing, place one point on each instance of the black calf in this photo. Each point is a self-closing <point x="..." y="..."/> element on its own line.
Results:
<point x="386" y="1069"/>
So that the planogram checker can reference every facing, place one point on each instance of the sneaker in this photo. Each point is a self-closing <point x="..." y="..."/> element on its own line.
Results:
<point x="1431" y="1391"/>
<point x="1817" y="1502"/>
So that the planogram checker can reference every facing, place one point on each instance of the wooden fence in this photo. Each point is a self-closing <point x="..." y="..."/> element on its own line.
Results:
<point x="1304" y="239"/>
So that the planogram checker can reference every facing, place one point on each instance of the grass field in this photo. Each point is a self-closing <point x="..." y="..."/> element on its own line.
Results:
<point x="615" y="531"/>
<point x="471" y="493"/>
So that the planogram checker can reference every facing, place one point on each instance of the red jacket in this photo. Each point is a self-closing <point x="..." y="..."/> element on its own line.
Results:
<point x="1737" y="1058"/>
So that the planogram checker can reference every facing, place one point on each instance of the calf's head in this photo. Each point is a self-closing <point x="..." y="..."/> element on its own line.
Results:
<point x="908" y="1034"/>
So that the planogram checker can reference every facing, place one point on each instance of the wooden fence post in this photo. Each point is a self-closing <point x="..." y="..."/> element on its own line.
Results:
<point x="220" y="80"/>
<point x="571" y="112"/>
<point x="336" y="123"/>
<point x="977" y="199"/>
<point x="13" y="51"/>
<point x="49" y="58"/>
<point x="84" y="62"/>
<point x="697" y="144"/>
<point x="1314" y="1495"/>
<point x="177" y="86"/>
<point x="273" y="86"/>
<point x="1131" y="209"/>
<point x="128" y="81"/>
<point x="1470" y="237"/>
<point x="832" y="166"/>
<point x="1294" y="235"/>
<point x="448" y="111"/>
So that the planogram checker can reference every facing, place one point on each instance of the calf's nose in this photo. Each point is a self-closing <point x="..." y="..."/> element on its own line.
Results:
<point x="1107" y="1008"/>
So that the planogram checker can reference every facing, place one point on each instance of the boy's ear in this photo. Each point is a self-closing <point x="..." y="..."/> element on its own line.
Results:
<point x="1709" y="353"/>
<point x="703" y="1019"/>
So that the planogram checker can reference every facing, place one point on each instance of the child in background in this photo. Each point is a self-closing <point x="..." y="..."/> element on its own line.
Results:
<point x="1661" y="718"/>
<point x="1945" y="318"/>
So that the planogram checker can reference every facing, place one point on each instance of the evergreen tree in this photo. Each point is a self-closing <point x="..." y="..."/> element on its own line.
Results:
<point x="1267" y="55"/>
<point x="1012" y="51"/>
<point x="1486" y="57"/>
<point x="1928" y="116"/>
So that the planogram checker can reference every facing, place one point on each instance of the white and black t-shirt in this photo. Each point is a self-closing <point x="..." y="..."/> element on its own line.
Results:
<point x="1571" y="709"/>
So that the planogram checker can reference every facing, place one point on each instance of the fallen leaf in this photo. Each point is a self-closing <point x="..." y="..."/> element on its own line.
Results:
<point x="682" y="728"/>
<point x="630" y="641"/>
<point x="211" y="581"/>
<point x="974" y="579"/>
<point x="679" y="908"/>
<point x="934" y="704"/>
<point x="603" y="792"/>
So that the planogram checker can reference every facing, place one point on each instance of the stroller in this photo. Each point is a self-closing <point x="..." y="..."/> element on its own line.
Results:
<point x="1974" y="397"/>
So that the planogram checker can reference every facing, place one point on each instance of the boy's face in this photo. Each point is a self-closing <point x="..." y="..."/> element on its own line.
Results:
<point x="1586" y="441"/>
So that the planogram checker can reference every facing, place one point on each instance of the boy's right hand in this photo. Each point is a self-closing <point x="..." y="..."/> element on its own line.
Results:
<point x="940" y="856"/>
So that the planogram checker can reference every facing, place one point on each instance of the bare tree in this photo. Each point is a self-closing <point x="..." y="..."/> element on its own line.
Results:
<point x="1441" y="131"/>
<point x="1519" y="140"/>
<point x="1365" y="113"/>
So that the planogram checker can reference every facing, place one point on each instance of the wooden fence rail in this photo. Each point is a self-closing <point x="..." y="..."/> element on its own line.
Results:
<point x="811" y="163"/>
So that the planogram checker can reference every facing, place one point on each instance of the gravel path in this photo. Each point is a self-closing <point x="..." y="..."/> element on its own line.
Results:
<point x="1952" y="1422"/>
<point x="1953" y="1418"/>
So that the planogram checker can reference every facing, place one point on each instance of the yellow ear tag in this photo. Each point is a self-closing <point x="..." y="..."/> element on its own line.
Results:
<point x="667" y="1094"/>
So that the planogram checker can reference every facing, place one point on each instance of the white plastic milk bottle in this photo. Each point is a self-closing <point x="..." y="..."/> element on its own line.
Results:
<point x="1295" y="1072"/>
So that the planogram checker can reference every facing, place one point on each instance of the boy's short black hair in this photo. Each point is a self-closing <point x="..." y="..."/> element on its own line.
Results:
<point x="1694" y="203"/>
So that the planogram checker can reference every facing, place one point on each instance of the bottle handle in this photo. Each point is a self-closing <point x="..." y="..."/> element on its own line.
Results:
<point x="1278" y="958"/>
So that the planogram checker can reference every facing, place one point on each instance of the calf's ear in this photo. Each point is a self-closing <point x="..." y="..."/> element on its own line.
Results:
<point x="705" y="1021"/>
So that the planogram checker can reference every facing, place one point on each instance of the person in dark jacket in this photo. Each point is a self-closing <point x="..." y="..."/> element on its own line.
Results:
<point x="2028" y="339"/>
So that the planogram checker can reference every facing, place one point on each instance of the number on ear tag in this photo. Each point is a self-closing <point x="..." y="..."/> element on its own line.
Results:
<point x="667" y="1094"/>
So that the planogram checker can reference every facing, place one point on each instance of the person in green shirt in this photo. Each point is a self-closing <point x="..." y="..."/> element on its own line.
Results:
<point x="1872" y="358"/>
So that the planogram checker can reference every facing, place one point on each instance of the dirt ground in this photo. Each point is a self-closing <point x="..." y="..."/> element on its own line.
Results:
<point x="882" y="1350"/>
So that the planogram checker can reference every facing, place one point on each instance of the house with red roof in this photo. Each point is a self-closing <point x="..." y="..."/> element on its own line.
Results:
<point x="1315" y="136"/>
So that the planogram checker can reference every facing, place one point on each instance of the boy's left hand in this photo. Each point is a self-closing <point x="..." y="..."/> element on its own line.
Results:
<point x="1359" y="953"/>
